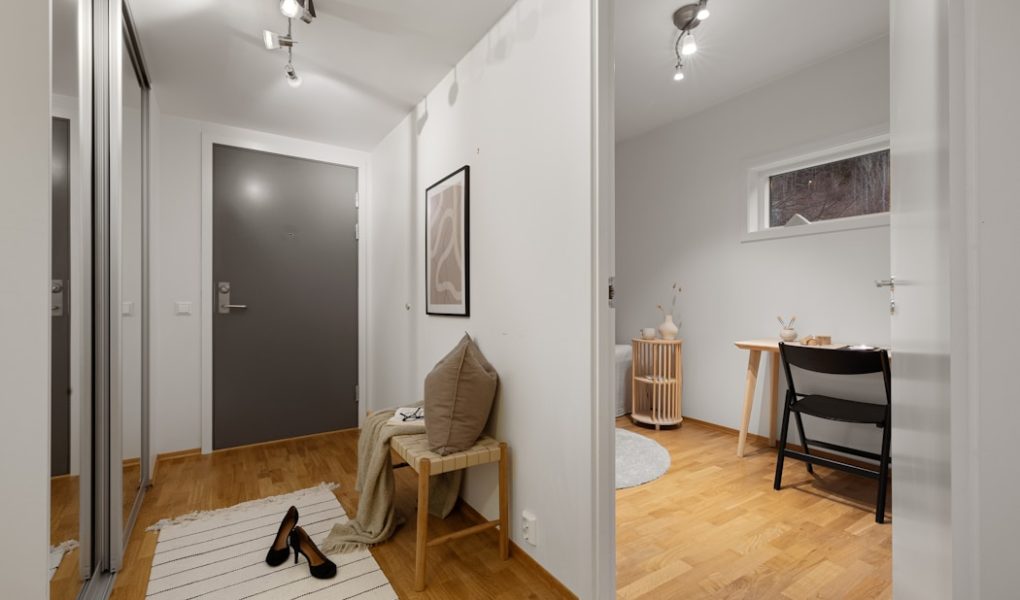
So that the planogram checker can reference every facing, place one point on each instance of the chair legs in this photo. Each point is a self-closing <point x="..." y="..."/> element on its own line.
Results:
<point x="803" y="440"/>
<point x="883" y="470"/>
<point x="782" y="445"/>
<point x="421" y="545"/>
<point x="504" y="501"/>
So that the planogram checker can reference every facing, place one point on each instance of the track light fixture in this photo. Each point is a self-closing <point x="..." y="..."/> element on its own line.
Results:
<point x="292" y="9"/>
<point x="686" y="18"/>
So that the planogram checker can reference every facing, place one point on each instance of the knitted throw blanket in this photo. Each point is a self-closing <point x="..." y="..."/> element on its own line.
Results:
<point x="376" y="519"/>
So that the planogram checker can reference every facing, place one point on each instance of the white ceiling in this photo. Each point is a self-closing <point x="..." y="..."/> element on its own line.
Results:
<point x="364" y="63"/>
<point x="744" y="44"/>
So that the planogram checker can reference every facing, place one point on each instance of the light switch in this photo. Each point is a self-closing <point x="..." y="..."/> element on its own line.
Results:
<point x="182" y="308"/>
<point x="127" y="308"/>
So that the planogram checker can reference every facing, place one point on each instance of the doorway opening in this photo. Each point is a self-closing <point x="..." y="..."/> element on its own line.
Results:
<point x="751" y="181"/>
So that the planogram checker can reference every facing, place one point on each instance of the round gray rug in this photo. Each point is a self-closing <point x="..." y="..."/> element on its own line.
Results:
<point x="638" y="459"/>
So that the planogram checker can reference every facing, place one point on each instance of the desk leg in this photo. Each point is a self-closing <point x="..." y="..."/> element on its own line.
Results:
<point x="774" y="398"/>
<point x="754" y="359"/>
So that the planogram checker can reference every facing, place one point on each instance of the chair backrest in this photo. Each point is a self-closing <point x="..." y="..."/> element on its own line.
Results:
<point x="836" y="362"/>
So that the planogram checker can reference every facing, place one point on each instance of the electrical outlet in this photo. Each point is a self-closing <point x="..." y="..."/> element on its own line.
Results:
<point x="529" y="527"/>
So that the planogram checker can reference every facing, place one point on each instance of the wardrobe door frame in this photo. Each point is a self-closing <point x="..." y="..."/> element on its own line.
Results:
<point x="123" y="35"/>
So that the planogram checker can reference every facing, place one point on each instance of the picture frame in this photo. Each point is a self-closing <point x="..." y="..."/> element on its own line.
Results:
<point x="447" y="245"/>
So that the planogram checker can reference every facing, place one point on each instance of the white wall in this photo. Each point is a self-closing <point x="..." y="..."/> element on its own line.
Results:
<point x="518" y="111"/>
<point x="175" y="396"/>
<point x="24" y="305"/>
<point x="681" y="213"/>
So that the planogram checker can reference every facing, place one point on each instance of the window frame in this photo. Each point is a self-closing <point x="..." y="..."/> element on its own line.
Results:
<point x="758" y="208"/>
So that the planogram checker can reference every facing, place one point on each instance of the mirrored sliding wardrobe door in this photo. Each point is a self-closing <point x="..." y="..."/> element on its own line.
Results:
<point x="113" y="288"/>
<point x="69" y="318"/>
<point x="128" y="283"/>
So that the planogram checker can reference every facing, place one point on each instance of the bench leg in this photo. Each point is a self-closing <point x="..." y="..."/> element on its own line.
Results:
<point x="421" y="545"/>
<point x="504" y="501"/>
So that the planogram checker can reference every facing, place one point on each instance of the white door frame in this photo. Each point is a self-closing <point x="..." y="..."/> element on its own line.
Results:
<point x="603" y="215"/>
<point x="266" y="142"/>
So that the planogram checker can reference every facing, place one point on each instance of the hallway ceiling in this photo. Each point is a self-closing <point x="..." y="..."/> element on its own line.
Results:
<point x="743" y="45"/>
<point x="364" y="63"/>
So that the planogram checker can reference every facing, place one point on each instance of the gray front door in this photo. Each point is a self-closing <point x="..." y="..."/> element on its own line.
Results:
<point x="285" y="293"/>
<point x="60" y="301"/>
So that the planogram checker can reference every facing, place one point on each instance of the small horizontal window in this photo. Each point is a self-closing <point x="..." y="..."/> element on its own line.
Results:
<point x="850" y="187"/>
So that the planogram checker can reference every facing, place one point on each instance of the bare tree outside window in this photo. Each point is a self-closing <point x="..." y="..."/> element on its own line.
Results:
<point x="844" y="188"/>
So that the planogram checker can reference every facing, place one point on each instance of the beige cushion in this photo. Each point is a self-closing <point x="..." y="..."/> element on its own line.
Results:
<point x="458" y="398"/>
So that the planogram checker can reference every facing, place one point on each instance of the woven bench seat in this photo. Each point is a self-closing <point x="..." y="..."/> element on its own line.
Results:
<point x="413" y="448"/>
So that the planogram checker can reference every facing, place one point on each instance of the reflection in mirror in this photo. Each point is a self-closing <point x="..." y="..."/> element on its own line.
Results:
<point x="66" y="310"/>
<point x="130" y="258"/>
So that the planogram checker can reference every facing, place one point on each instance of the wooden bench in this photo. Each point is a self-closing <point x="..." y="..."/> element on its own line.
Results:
<point x="414" y="450"/>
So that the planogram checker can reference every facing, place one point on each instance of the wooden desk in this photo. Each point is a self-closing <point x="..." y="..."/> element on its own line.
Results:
<point x="755" y="348"/>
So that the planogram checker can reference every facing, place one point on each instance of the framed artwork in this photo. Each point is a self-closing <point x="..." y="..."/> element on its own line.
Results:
<point x="447" y="273"/>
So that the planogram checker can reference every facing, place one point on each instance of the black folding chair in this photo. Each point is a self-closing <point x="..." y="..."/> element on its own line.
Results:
<point x="837" y="362"/>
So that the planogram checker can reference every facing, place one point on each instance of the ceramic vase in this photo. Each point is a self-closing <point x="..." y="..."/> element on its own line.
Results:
<point x="788" y="335"/>
<point x="668" y="329"/>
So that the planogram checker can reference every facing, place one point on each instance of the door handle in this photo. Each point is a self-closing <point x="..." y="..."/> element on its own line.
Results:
<point x="891" y="284"/>
<point x="223" y="290"/>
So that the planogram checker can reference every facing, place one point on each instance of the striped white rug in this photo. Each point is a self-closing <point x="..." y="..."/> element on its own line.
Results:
<point x="220" y="555"/>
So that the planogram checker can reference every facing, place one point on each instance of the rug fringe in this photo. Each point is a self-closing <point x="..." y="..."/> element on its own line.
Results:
<point x="200" y="515"/>
<point x="65" y="546"/>
<point x="343" y="547"/>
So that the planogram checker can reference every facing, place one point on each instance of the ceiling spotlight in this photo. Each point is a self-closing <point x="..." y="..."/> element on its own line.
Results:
<point x="689" y="46"/>
<point x="678" y="75"/>
<point x="291" y="9"/>
<point x="293" y="79"/>
<point x="703" y="14"/>
<point x="298" y="9"/>
<point x="274" y="41"/>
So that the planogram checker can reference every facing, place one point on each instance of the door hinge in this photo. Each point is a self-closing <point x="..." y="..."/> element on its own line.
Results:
<point x="612" y="292"/>
<point x="357" y="393"/>
<point x="357" y="231"/>
<point x="357" y="199"/>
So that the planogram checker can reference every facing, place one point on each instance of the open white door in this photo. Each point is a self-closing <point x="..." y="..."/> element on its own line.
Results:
<point x="922" y="533"/>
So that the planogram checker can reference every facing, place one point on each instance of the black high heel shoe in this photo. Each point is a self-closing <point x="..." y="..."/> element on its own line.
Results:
<point x="318" y="565"/>
<point x="279" y="551"/>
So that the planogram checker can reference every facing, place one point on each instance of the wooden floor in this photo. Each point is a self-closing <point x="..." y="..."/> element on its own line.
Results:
<point x="467" y="568"/>
<point x="713" y="527"/>
<point x="64" y="507"/>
